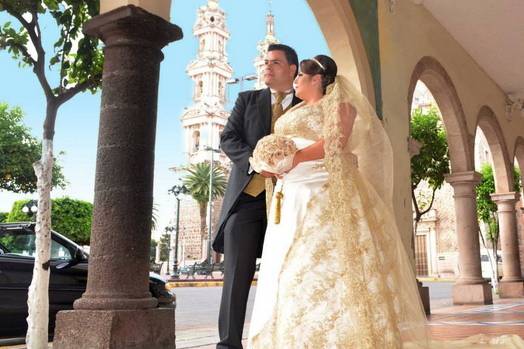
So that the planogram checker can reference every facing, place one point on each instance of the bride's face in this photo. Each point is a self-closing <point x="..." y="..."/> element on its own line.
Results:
<point x="307" y="86"/>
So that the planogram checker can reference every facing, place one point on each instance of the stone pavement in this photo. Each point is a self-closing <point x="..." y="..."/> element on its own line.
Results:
<point x="447" y="322"/>
<point x="506" y="316"/>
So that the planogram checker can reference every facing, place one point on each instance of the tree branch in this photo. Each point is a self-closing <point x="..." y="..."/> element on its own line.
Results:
<point x="33" y="30"/>
<point x="24" y="51"/>
<point x="430" y="204"/>
<point x="71" y="92"/>
<point x="417" y="210"/>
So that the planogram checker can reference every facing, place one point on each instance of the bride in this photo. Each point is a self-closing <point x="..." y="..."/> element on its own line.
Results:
<point x="334" y="271"/>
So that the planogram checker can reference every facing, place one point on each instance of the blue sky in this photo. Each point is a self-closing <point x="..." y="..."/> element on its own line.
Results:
<point x="77" y="122"/>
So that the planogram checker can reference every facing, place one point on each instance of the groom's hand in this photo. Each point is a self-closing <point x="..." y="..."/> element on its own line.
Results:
<point x="266" y="174"/>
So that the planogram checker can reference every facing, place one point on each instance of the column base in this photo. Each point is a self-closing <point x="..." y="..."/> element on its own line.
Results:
<point x="472" y="294"/>
<point x="115" y="329"/>
<point x="511" y="289"/>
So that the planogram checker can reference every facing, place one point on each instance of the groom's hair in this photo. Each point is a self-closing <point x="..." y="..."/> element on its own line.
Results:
<point x="291" y="54"/>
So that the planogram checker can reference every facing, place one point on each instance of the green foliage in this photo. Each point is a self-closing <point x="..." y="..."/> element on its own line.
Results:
<point x="152" y="250"/>
<point x="197" y="181"/>
<point x="18" y="151"/>
<point x="432" y="162"/>
<point x="3" y="216"/>
<point x="486" y="208"/>
<point x="71" y="218"/>
<point x="164" y="247"/>
<point x="78" y="58"/>
<point x="16" y="214"/>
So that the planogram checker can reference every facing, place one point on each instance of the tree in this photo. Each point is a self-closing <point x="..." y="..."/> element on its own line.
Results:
<point x="3" y="216"/>
<point x="79" y="63"/>
<point x="431" y="164"/>
<point x="487" y="208"/>
<point x="164" y="247"/>
<point x="152" y="251"/>
<point x="18" y="151"/>
<point x="197" y="183"/>
<point x="71" y="218"/>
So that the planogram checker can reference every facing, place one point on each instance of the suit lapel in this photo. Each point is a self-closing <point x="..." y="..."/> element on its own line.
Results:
<point x="264" y="108"/>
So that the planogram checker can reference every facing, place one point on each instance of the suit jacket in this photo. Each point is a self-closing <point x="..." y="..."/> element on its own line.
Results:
<point x="249" y="121"/>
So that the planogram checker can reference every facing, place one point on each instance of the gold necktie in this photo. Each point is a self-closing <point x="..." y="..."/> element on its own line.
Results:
<point x="257" y="184"/>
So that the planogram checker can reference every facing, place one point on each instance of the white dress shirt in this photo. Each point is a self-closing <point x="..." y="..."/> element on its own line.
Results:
<point x="287" y="99"/>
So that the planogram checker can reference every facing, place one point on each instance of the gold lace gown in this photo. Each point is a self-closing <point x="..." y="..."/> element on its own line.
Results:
<point x="334" y="272"/>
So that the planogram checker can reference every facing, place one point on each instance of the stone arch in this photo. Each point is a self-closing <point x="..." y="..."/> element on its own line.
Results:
<point x="434" y="76"/>
<point x="518" y="154"/>
<point x="339" y="26"/>
<point x="502" y="164"/>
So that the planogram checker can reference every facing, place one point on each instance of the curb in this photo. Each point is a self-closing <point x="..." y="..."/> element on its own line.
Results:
<point x="198" y="283"/>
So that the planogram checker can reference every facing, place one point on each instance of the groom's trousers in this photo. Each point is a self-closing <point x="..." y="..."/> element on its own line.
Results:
<point x="243" y="241"/>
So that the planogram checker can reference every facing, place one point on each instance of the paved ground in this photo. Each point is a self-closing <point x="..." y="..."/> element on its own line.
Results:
<point x="197" y="312"/>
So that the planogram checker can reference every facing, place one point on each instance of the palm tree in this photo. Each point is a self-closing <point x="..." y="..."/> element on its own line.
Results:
<point x="197" y="183"/>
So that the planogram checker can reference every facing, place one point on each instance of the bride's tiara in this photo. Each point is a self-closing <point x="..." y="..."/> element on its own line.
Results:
<point x="319" y="64"/>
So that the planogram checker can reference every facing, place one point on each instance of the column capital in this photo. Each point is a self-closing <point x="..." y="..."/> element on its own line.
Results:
<point x="510" y="197"/>
<point x="132" y="22"/>
<point x="467" y="177"/>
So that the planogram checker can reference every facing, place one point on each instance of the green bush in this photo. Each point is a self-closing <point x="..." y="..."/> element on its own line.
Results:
<point x="69" y="217"/>
<point x="3" y="216"/>
<point x="72" y="218"/>
<point x="16" y="214"/>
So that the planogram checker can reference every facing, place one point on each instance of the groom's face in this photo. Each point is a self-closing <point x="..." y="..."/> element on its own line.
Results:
<point x="278" y="73"/>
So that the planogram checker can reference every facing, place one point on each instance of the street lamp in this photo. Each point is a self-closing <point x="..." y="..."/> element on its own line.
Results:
<point x="176" y="190"/>
<point x="210" y="202"/>
<point x="249" y="77"/>
<point x="30" y="208"/>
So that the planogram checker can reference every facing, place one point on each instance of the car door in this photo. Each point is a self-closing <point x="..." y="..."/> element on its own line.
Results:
<point x="16" y="269"/>
<point x="66" y="284"/>
<point x="68" y="281"/>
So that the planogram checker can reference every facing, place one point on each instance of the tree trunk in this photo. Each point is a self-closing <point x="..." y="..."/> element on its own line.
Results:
<point x="203" y="224"/>
<point x="38" y="297"/>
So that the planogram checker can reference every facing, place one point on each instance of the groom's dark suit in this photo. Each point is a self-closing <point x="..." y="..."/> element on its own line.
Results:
<point x="240" y="233"/>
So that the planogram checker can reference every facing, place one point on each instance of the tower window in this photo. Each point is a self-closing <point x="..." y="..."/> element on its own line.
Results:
<point x="212" y="19"/>
<point x="200" y="87"/>
<point x="196" y="141"/>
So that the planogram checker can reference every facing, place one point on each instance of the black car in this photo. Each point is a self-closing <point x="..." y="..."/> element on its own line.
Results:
<point x="67" y="281"/>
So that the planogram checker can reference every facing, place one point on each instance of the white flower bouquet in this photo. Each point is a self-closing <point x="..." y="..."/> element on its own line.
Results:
<point x="273" y="153"/>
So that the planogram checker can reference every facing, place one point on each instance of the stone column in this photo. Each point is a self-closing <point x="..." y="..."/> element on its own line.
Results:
<point x="470" y="287"/>
<point x="117" y="310"/>
<point x="511" y="285"/>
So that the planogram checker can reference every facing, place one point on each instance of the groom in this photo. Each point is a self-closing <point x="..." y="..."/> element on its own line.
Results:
<point x="243" y="220"/>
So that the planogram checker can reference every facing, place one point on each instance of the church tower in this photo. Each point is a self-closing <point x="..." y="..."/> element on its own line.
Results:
<point x="204" y="121"/>
<point x="262" y="49"/>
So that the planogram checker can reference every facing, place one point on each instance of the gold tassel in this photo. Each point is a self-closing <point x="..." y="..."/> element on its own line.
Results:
<point x="278" y="205"/>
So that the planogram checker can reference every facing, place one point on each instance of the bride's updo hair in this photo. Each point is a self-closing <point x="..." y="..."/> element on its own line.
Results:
<point x="323" y="65"/>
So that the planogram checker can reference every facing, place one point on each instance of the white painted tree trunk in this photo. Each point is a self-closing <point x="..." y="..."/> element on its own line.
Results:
<point x="38" y="298"/>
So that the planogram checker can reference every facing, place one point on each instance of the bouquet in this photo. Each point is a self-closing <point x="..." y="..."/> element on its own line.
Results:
<point x="273" y="153"/>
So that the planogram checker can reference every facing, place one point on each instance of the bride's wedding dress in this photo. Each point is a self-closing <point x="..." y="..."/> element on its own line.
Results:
<point x="334" y="272"/>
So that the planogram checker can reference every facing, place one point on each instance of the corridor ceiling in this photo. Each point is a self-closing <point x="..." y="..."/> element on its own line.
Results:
<point x="492" y="32"/>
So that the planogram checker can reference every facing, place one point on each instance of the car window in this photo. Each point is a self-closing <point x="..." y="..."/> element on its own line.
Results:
<point x="22" y="243"/>
<point x="18" y="242"/>
<point x="59" y="251"/>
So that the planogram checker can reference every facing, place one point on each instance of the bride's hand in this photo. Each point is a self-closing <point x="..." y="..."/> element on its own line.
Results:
<point x="296" y="160"/>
